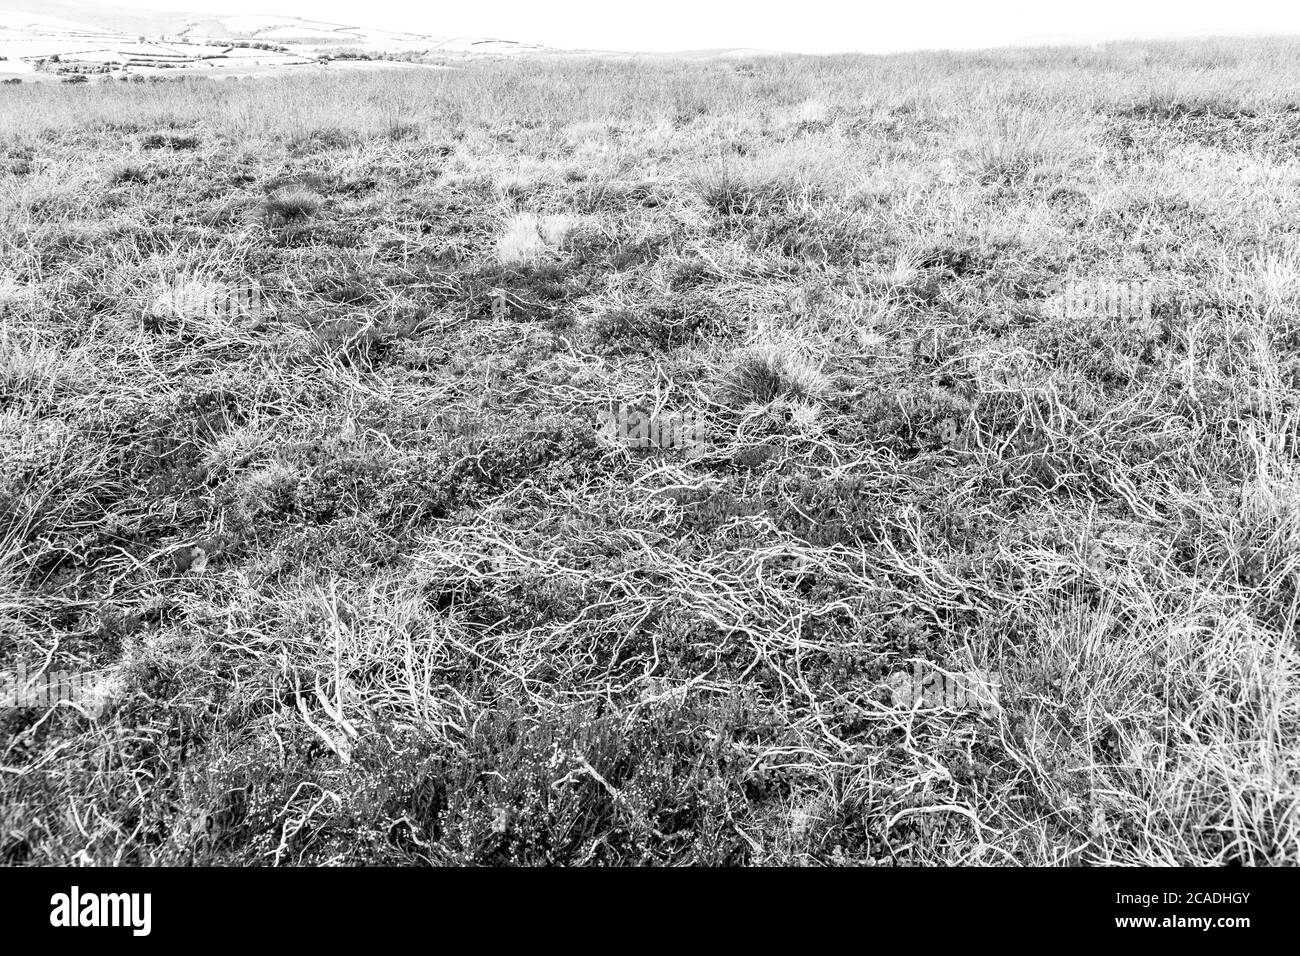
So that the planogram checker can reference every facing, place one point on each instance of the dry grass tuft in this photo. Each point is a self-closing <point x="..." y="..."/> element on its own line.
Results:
<point x="774" y="372"/>
<point x="291" y="204"/>
<point x="526" y="237"/>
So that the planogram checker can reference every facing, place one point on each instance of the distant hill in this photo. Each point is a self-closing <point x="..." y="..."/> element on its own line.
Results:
<point x="99" y="17"/>
<point x="47" y="40"/>
<point x="71" y="17"/>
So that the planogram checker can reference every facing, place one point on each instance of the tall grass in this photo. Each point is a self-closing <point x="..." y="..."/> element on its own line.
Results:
<point x="332" y="629"/>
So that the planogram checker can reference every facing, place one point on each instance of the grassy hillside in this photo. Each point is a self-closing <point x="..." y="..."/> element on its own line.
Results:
<point x="303" y="458"/>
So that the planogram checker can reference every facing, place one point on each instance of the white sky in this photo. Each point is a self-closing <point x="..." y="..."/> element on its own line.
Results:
<point x="809" y="26"/>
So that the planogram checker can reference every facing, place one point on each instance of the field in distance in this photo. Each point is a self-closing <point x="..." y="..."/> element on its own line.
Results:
<point x="67" y="41"/>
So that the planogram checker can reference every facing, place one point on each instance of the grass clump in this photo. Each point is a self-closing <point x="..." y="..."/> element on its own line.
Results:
<point x="169" y="141"/>
<point x="290" y="205"/>
<point x="526" y="237"/>
<point x="773" y="372"/>
<point x="130" y="173"/>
